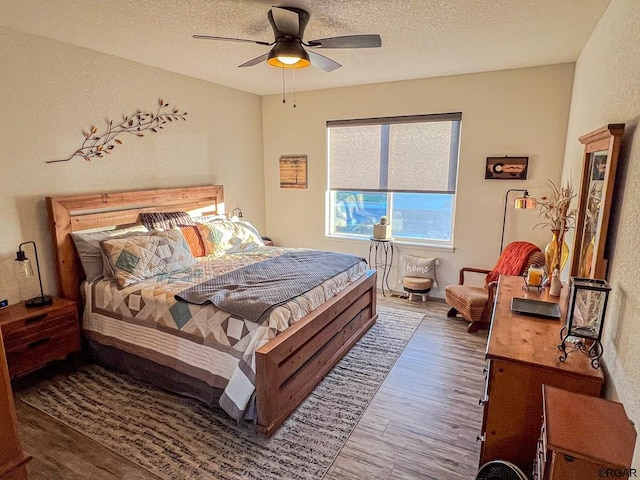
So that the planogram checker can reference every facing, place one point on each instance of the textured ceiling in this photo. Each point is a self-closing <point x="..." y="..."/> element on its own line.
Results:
<point x="420" y="38"/>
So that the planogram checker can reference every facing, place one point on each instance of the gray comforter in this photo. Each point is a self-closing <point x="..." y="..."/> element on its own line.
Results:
<point x="253" y="291"/>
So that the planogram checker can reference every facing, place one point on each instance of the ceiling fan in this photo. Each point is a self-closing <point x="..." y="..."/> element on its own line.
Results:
<point x="288" y="50"/>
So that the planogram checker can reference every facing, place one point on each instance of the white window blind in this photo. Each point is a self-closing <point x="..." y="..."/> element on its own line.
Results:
<point x="417" y="153"/>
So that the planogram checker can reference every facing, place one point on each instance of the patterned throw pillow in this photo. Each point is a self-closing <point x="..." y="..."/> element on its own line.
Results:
<point x="88" y="248"/>
<point x="223" y="236"/>
<point x="134" y="259"/>
<point x="421" y="267"/>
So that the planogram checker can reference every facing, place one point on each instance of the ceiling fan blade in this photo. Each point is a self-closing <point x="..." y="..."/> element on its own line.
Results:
<point x="348" y="41"/>
<point x="255" y="61"/>
<point x="286" y="21"/>
<point x="209" y="37"/>
<point x="322" y="62"/>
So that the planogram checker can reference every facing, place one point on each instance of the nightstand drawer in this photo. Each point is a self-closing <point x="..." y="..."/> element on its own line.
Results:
<point x="37" y="319"/>
<point x="36" y="353"/>
<point x="37" y="329"/>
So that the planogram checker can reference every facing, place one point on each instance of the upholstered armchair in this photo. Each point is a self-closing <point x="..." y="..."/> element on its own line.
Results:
<point x="475" y="303"/>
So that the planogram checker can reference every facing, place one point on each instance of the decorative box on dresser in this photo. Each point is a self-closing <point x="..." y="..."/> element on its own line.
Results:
<point x="522" y="355"/>
<point x="34" y="337"/>
<point x="583" y="438"/>
<point x="12" y="458"/>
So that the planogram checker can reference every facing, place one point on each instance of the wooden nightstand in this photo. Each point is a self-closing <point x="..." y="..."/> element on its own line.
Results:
<point x="583" y="438"/>
<point x="268" y="242"/>
<point x="34" y="337"/>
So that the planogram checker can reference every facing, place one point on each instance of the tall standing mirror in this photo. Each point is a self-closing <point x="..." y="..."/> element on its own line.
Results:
<point x="600" y="161"/>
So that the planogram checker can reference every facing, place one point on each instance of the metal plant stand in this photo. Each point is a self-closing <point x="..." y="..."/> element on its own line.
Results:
<point x="382" y="253"/>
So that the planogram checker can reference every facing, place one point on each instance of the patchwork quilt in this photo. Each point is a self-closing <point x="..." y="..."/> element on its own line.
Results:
<point x="201" y="341"/>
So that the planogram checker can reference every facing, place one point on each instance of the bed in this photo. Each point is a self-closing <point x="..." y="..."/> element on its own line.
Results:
<point x="286" y="368"/>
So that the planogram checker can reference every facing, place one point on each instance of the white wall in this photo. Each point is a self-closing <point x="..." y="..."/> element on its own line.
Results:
<point x="50" y="91"/>
<point x="517" y="112"/>
<point x="607" y="90"/>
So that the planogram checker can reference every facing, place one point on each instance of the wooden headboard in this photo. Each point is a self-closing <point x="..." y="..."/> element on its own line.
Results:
<point x="72" y="213"/>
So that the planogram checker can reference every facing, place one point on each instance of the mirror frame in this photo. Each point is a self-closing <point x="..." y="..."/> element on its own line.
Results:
<point x="605" y="139"/>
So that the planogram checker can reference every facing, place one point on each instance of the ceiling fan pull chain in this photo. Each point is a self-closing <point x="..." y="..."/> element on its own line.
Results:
<point x="283" y="97"/>
<point x="294" y="88"/>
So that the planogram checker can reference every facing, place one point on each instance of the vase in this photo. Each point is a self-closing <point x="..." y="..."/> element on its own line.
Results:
<point x="556" y="252"/>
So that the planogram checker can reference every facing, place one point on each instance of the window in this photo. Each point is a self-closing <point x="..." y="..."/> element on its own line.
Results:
<point x="401" y="167"/>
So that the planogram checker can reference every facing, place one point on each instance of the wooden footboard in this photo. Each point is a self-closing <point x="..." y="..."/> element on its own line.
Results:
<point x="293" y="363"/>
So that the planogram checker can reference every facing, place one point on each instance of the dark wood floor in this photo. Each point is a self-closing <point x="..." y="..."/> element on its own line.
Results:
<point x="422" y="423"/>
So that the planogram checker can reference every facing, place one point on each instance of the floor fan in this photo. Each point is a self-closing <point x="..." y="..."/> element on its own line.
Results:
<point x="500" y="470"/>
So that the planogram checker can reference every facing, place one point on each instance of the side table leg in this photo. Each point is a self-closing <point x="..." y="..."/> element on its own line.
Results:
<point x="387" y="268"/>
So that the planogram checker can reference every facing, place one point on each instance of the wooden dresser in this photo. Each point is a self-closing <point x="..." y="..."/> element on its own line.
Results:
<point x="583" y="438"/>
<point x="12" y="458"/>
<point x="522" y="355"/>
<point x="34" y="337"/>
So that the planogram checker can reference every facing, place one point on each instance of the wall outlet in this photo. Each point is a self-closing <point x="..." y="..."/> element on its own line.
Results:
<point x="4" y="303"/>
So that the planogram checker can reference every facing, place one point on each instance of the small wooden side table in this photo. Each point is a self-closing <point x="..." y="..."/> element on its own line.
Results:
<point x="583" y="438"/>
<point x="34" y="337"/>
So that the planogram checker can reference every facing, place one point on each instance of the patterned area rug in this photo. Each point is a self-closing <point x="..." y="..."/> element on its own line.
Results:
<point x="178" y="438"/>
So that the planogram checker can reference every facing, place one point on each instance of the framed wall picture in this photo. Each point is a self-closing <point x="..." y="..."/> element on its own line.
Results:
<point x="293" y="171"/>
<point x="506" y="168"/>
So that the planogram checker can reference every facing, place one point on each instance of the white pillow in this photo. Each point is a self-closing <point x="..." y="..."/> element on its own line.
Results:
<point x="421" y="267"/>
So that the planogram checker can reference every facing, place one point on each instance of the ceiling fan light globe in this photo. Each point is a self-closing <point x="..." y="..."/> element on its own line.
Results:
<point x="300" y="63"/>
<point x="288" y="60"/>
<point x="288" y="55"/>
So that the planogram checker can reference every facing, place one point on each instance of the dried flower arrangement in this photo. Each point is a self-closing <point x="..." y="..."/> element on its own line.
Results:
<point x="98" y="145"/>
<point x="557" y="211"/>
<point x="559" y="217"/>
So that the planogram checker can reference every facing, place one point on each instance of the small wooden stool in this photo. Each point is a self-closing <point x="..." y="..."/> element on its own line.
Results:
<point x="417" y="286"/>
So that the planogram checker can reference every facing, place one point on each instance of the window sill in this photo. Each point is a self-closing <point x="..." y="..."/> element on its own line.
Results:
<point x="408" y="243"/>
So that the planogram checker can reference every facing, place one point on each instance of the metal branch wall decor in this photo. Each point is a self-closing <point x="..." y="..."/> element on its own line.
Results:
<point x="100" y="144"/>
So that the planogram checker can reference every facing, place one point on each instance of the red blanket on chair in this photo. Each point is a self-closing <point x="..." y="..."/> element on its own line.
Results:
<point x="512" y="260"/>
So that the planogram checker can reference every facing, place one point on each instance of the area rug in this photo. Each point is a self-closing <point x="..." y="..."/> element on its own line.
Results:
<point x="178" y="438"/>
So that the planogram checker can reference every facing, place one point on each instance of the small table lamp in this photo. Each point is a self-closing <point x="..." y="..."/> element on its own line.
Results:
<point x="27" y="271"/>
<point x="585" y="318"/>
<point x="235" y="217"/>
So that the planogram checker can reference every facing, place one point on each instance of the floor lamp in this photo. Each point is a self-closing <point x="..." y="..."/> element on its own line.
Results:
<point x="524" y="202"/>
